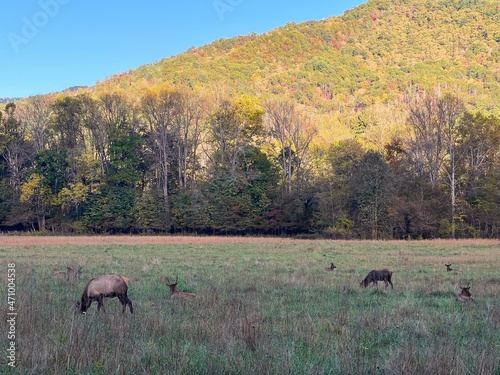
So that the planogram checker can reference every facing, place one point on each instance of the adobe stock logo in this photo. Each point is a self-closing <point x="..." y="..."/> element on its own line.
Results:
<point x="32" y="25"/>
<point x="224" y="6"/>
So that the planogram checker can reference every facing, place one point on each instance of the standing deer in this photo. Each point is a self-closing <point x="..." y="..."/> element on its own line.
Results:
<point x="465" y="295"/>
<point x="331" y="267"/>
<point x="174" y="294"/>
<point x="378" y="275"/>
<point x="107" y="286"/>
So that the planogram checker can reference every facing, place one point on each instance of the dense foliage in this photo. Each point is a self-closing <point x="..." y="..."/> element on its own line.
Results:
<point x="371" y="54"/>
<point x="382" y="123"/>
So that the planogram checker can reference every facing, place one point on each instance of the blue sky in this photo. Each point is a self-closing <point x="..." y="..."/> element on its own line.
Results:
<point x="50" y="45"/>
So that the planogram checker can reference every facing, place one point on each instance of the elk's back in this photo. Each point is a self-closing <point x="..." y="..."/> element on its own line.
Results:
<point x="106" y="285"/>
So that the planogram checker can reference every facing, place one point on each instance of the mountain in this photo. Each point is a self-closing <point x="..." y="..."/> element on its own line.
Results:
<point x="369" y="55"/>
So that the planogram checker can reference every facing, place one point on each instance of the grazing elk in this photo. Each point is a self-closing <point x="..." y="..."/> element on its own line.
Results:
<point x="378" y="275"/>
<point x="174" y="294"/>
<point x="464" y="295"/>
<point x="107" y="286"/>
<point x="331" y="267"/>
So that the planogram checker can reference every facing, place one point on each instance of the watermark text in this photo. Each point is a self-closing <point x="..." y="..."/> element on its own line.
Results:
<point x="223" y="6"/>
<point x="11" y="314"/>
<point x="30" y="26"/>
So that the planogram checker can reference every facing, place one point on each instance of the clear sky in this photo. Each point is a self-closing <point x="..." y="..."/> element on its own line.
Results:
<point x="50" y="45"/>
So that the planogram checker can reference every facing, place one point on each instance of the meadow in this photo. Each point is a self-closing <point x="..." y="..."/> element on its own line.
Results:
<point x="263" y="306"/>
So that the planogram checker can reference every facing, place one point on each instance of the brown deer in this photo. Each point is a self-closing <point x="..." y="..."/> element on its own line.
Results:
<point x="65" y="275"/>
<point x="449" y="269"/>
<point x="378" y="275"/>
<point x="331" y="267"/>
<point x="61" y="275"/>
<point x="70" y="274"/>
<point x="465" y="296"/>
<point x="174" y="294"/>
<point x="107" y="286"/>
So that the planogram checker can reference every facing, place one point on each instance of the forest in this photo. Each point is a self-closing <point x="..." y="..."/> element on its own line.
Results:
<point x="379" y="124"/>
<point x="175" y="162"/>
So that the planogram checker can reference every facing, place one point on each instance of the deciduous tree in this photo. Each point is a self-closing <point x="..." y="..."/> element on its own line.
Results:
<point x="293" y="132"/>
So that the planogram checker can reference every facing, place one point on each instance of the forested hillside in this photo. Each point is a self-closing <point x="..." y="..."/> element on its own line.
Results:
<point x="369" y="55"/>
<point x="381" y="123"/>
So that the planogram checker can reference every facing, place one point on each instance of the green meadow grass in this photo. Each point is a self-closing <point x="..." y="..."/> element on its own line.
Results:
<point x="262" y="308"/>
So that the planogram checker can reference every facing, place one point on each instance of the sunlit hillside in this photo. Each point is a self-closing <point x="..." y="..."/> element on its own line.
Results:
<point x="371" y="54"/>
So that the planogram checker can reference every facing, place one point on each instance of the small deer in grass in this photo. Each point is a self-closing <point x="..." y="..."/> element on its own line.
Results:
<point x="67" y="275"/>
<point x="465" y="296"/>
<point x="175" y="294"/>
<point x="449" y="269"/>
<point x="378" y="275"/>
<point x="331" y="267"/>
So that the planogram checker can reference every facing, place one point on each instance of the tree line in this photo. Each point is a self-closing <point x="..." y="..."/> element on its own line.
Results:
<point x="174" y="161"/>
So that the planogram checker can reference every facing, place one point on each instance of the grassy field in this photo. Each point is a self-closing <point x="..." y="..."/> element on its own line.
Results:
<point x="263" y="306"/>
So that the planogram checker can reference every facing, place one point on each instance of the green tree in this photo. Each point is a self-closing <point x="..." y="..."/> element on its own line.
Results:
<point x="418" y="207"/>
<point x="47" y="177"/>
<point x="125" y="173"/>
<point x="5" y="191"/>
<point x="333" y="186"/>
<point x="67" y="132"/>
<point x="148" y="211"/>
<point x="52" y="166"/>
<point x="39" y="197"/>
<point x="14" y="148"/>
<point x="372" y="193"/>
<point x="241" y="204"/>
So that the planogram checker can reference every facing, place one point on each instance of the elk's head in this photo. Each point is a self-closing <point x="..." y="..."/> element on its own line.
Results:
<point x="172" y="286"/>
<point x="78" y="307"/>
<point x="331" y="267"/>
<point x="465" y="291"/>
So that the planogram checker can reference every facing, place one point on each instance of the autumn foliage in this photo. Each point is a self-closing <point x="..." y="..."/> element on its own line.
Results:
<point x="381" y="123"/>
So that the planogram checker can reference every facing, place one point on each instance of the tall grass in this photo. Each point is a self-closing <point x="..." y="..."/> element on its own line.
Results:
<point x="261" y="309"/>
